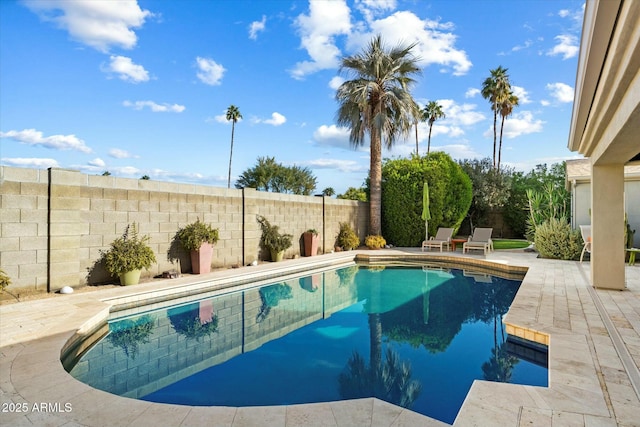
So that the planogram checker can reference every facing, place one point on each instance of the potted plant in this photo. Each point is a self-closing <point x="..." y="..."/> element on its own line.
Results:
<point x="375" y="242"/>
<point x="347" y="238"/>
<point x="198" y="238"/>
<point x="311" y="241"/>
<point x="128" y="255"/>
<point x="273" y="240"/>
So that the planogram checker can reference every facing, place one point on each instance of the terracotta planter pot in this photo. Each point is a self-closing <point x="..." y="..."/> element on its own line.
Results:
<point x="130" y="277"/>
<point x="310" y="244"/>
<point x="201" y="259"/>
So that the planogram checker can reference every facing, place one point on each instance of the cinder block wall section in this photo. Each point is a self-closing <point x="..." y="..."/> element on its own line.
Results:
<point x="54" y="223"/>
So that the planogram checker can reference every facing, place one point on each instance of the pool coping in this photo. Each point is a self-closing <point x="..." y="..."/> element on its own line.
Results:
<point x="32" y="373"/>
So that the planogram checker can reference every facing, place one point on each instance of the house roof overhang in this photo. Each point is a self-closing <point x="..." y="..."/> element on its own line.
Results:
<point x="605" y="122"/>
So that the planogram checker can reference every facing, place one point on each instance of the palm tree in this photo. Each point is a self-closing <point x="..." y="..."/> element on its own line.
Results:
<point x="432" y="112"/>
<point x="506" y="108"/>
<point x="377" y="101"/>
<point x="234" y="115"/>
<point x="495" y="89"/>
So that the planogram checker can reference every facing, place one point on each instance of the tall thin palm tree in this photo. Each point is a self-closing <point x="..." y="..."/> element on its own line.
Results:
<point x="432" y="112"/>
<point x="234" y="115"/>
<point x="495" y="89"/>
<point x="506" y="108"/>
<point x="377" y="102"/>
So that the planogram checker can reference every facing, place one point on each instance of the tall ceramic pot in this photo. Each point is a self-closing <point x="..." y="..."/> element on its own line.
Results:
<point x="310" y="243"/>
<point x="201" y="259"/>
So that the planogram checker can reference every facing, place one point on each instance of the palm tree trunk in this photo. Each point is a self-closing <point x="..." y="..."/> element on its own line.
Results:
<point x="417" y="139"/>
<point x="375" y="183"/>
<point x="500" y="147"/>
<point x="429" y="140"/>
<point x="495" y="119"/>
<point x="233" y="127"/>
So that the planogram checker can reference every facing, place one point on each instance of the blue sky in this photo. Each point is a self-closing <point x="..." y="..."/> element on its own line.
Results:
<point x="141" y="87"/>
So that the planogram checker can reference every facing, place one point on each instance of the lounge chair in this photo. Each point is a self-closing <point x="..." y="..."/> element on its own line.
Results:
<point x="585" y="230"/>
<point x="442" y="238"/>
<point x="481" y="239"/>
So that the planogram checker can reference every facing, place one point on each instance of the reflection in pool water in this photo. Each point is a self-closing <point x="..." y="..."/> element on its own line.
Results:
<point x="414" y="337"/>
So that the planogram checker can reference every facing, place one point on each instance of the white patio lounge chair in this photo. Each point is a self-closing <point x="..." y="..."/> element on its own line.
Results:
<point x="442" y="238"/>
<point x="481" y="239"/>
<point x="585" y="230"/>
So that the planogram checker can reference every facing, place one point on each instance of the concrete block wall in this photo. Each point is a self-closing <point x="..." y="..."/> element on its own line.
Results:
<point x="55" y="223"/>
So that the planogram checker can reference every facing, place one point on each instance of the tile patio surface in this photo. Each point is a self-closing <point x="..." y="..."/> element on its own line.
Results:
<point x="594" y="355"/>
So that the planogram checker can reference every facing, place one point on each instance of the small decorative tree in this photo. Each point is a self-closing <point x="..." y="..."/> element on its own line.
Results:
<point x="273" y="240"/>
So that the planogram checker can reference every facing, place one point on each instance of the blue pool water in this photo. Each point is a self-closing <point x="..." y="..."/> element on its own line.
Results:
<point x="411" y="336"/>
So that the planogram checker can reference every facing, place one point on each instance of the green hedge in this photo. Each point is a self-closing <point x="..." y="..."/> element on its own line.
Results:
<point x="402" y="183"/>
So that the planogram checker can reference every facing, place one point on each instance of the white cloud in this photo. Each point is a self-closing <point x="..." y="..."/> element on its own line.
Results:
<point x="472" y="92"/>
<point x="276" y="119"/>
<point x="458" y="151"/>
<point x="567" y="46"/>
<point x="56" y="142"/>
<point x="156" y="108"/>
<point x="97" y="162"/>
<point x="317" y="30"/>
<point x="521" y="123"/>
<point x="257" y="26"/>
<point x="336" y="164"/>
<point x="436" y="42"/>
<point x="32" y="162"/>
<point x="210" y="72"/>
<point x="561" y="92"/>
<point x="522" y="94"/>
<point x="126" y="69"/>
<point x="335" y="82"/>
<point x="462" y="115"/>
<point x="121" y="154"/>
<point x="525" y="45"/>
<point x="332" y="135"/>
<point x="99" y="24"/>
<point x="545" y="103"/>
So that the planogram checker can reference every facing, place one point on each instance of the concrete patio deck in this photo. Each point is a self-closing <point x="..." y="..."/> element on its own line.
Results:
<point x="594" y="355"/>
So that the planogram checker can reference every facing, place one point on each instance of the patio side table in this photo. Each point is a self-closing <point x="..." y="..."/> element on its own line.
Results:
<point x="455" y="242"/>
<point x="632" y="255"/>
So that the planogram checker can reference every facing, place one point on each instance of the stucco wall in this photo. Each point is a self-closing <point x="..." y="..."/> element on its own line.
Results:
<point x="55" y="222"/>
<point x="582" y="205"/>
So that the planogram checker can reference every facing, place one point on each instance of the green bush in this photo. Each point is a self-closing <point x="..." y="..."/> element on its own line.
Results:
<point x="129" y="252"/>
<point x="402" y="184"/>
<point x="375" y="242"/>
<point x="555" y="239"/>
<point x="347" y="238"/>
<point x="193" y="235"/>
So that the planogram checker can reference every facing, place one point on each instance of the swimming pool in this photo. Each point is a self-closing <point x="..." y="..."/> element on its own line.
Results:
<point x="412" y="336"/>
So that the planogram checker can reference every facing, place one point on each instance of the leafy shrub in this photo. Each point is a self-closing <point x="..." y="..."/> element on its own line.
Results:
<point x="545" y="205"/>
<point x="402" y="185"/>
<point x="129" y="252"/>
<point x="555" y="239"/>
<point x="192" y="236"/>
<point x="375" y="242"/>
<point x="272" y="239"/>
<point x="4" y="280"/>
<point x="347" y="238"/>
